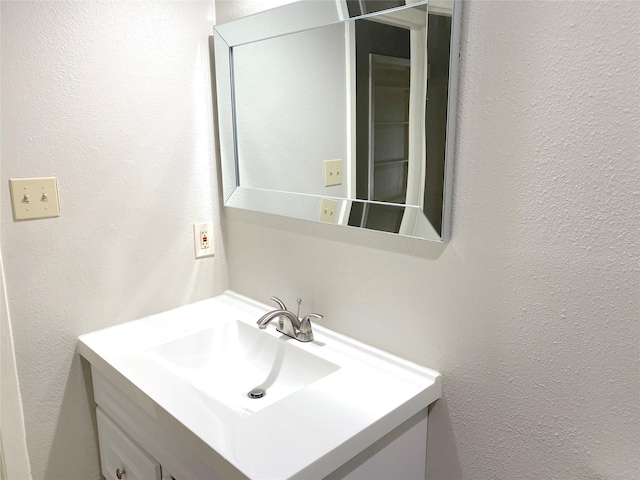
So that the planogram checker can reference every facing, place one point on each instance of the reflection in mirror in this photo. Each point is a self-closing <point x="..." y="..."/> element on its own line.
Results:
<point x="341" y="112"/>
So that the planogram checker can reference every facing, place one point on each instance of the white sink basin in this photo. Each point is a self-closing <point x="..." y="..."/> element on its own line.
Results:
<point x="233" y="358"/>
<point x="188" y="371"/>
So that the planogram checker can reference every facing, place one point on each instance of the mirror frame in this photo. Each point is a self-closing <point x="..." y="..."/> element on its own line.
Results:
<point x="276" y="22"/>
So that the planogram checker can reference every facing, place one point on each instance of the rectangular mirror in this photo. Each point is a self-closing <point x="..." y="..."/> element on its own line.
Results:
<point x="341" y="112"/>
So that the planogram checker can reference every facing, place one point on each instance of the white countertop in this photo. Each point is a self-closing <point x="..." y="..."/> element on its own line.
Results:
<point x="308" y="434"/>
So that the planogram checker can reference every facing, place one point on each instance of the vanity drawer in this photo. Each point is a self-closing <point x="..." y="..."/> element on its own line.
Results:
<point x="121" y="455"/>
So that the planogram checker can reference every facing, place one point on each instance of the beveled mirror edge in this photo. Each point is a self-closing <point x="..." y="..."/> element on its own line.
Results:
<point x="275" y="22"/>
<point x="308" y="207"/>
<point x="452" y="115"/>
<point x="240" y="197"/>
<point x="226" y="137"/>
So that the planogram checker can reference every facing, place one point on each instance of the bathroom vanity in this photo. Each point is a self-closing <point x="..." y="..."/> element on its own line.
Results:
<point x="172" y="395"/>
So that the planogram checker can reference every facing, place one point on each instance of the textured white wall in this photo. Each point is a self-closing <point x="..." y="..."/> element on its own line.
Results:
<point x="113" y="98"/>
<point x="531" y="312"/>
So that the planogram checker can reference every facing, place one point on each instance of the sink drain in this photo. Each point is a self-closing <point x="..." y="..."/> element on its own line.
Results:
<point x="256" y="393"/>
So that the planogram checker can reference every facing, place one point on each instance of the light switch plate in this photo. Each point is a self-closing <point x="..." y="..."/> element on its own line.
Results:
<point x="33" y="198"/>
<point x="328" y="210"/>
<point x="332" y="172"/>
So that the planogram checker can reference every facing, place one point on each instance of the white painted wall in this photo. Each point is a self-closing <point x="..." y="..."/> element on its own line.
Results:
<point x="14" y="457"/>
<point x="531" y="312"/>
<point x="112" y="98"/>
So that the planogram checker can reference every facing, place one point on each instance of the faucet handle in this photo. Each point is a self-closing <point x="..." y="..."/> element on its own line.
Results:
<point x="306" y="333"/>
<point x="279" y="302"/>
<point x="305" y="324"/>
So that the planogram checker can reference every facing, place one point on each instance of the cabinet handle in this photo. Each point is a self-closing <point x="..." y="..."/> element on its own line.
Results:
<point x="120" y="473"/>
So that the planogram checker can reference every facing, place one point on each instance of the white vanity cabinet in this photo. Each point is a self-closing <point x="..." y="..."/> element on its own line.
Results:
<point x="399" y="454"/>
<point x="172" y="400"/>
<point x="132" y="439"/>
<point x="120" y="456"/>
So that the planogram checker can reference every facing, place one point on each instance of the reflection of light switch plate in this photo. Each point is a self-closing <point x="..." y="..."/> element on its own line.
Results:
<point x="332" y="172"/>
<point x="328" y="210"/>
<point x="33" y="198"/>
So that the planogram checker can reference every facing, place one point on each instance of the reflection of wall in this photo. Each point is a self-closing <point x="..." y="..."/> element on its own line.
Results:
<point x="284" y="85"/>
<point x="530" y="312"/>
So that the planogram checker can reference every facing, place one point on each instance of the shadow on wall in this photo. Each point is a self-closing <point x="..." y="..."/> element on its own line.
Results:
<point x="413" y="247"/>
<point x="76" y="408"/>
<point x="216" y="129"/>
<point x="443" y="461"/>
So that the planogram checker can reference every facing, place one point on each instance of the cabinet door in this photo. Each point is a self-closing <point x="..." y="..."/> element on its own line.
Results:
<point x="121" y="457"/>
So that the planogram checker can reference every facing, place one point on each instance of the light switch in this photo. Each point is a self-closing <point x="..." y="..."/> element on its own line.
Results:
<point x="332" y="172"/>
<point x="328" y="210"/>
<point x="33" y="198"/>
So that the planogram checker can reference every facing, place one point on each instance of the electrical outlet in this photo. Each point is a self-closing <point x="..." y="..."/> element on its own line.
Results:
<point x="332" y="172"/>
<point x="328" y="210"/>
<point x="203" y="242"/>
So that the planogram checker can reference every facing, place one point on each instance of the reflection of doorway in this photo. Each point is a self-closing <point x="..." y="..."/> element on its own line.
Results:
<point x="375" y="40"/>
<point x="389" y="88"/>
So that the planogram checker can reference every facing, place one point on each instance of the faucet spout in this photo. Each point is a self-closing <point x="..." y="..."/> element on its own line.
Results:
<point x="279" y="314"/>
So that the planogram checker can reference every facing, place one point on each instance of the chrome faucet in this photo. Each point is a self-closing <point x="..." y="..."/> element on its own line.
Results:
<point x="290" y="323"/>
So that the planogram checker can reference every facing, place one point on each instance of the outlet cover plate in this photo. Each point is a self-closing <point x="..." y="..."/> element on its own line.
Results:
<point x="200" y="229"/>
<point x="33" y="198"/>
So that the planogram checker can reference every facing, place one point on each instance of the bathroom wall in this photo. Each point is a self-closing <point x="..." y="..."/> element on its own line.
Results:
<point x="114" y="100"/>
<point x="531" y="312"/>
